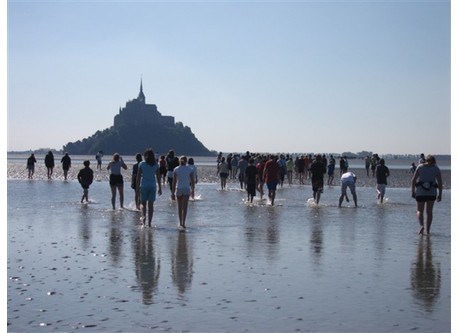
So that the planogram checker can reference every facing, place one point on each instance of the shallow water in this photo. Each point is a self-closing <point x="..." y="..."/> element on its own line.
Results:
<point x="291" y="267"/>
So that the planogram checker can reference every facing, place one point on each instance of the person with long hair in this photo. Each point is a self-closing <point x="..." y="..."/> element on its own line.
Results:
<point x="182" y="188"/>
<point x="426" y="189"/>
<point x="133" y="183"/>
<point x="147" y="176"/>
<point x="116" y="180"/>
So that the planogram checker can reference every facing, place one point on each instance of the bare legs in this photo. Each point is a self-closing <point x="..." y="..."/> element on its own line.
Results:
<point x="49" y="172"/>
<point x="85" y="195"/>
<point x="317" y="196"/>
<point x="113" y="195"/>
<point x="429" y="216"/>
<point x="182" y="201"/>
<point x="223" y="183"/>
<point x="344" y="195"/>
<point x="150" y="211"/>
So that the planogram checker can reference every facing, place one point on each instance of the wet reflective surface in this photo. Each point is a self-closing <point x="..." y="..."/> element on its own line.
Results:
<point x="291" y="267"/>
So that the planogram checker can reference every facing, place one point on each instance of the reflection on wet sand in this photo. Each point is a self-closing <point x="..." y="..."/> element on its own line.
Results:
<point x="147" y="267"/>
<point x="84" y="227"/>
<point x="182" y="264"/>
<point x="315" y="221"/>
<point x="425" y="276"/>
<point x="115" y="239"/>
<point x="262" y="230"/>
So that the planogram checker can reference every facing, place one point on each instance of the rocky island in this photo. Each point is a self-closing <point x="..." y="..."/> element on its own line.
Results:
<point x="138" y="126"/>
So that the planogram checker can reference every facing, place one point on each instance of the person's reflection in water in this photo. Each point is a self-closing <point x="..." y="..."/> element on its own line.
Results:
<point x="316" y="241"/>
<point x="425" y="276"/>
<point x="85" y="228"/>
<point x="272" y="235"/>
<point x="316" y="236"/>
<point x="147" y="267"/>
<point x="115" y="239"/>
<point x="182" y="264"/>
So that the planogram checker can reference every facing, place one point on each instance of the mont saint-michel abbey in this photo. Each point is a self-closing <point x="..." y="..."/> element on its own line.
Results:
<point x="137" y="126"/>
<point x="138" y="113"/>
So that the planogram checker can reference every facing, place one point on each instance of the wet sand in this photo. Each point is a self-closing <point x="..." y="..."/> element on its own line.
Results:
<point x="399" y="178"/>
<point x="293" y="267"/>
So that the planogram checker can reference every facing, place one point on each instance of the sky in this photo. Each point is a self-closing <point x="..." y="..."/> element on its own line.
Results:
<point x="296" y="76"/>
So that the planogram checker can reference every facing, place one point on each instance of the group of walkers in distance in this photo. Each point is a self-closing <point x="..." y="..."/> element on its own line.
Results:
<point x="149" y="173"/>
<point x="255" y="171"/>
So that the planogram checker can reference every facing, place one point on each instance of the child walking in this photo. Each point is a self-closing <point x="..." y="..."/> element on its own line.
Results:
<point x="85" y="178"/>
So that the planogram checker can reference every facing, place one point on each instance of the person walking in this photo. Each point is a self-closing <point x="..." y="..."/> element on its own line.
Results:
<point x="133" y="183"/>
<point x="193" y="167"/>
<point x="243" y="164"/>
<point x="98" y="158"/>
<point x="49" y="163"/>
<point x="426" y="189"/>
<point x="183" y="188"/>
<point x="317" y="172"/>
<point x="290" y="169"/>
<point x="66" y="164"/>
<point x="146" y="178"/>
<point x="85" y="178"/>
<point x="31" y="165"/>
<point x="381" y="173"/>
<point x="331" y="170"/>
<point x="223" y="172"/>
<point x="172" y="162"/>
<point x="251" y="176"/>
<point x="272" y="177"/>
<point x="116" y="180"/>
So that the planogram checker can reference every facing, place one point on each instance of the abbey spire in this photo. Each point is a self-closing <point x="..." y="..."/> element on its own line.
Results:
<point x="141" y="95"/>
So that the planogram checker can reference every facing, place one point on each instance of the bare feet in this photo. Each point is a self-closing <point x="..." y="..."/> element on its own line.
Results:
<point x="422" y="229"/>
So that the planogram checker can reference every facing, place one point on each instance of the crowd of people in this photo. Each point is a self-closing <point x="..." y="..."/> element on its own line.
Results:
<point x="253" y="171"/>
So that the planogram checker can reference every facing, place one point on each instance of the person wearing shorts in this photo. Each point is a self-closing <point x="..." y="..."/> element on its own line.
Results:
<point x="272" y="177"/>
<point x="116" y="180"/>
<point x="317" y="172"/>
<point x="183" y="188"/>
<point x="223" y="171"/>
<point x="348" y="179"/>
<point x="147" y="176"/>
<point x="426" y="189"/>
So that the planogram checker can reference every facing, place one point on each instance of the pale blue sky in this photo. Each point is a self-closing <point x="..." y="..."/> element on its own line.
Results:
<point x="314" y="76"/>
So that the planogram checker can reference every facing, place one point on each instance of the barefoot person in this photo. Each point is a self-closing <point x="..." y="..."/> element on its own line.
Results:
<point x="116" y="180"/>
<point x="272" y="177"/>
<point x="426" y="189"/>
<point x="317" y="172"/>
<point x="182" y="188"/>
<point x="31" y="165"/>
<point x="348" y="179"/>
<point x="381" y="173"/>
<point x="66" y="164"/>
<point x="85" y="177"/>
<point x="147" y="176"/>
<point x="133" y="184"/>
<point x="251" y="176"/>
<point x="49" y="163"/>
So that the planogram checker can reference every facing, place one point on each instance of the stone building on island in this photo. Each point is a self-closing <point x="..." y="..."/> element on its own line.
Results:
<point x="137" y="112"/>
<point x="138" y="126"/>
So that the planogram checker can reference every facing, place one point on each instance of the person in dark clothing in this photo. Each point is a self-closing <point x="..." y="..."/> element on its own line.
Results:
<point x="49" y="163"/>
<point x="66" y="164"/>
<point x="85" y="178"/>
<point x="317" y="170"/>
<point x="381" y="173"/>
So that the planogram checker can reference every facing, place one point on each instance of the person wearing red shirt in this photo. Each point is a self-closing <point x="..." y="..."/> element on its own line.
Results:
<point x="272" y="177"/>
